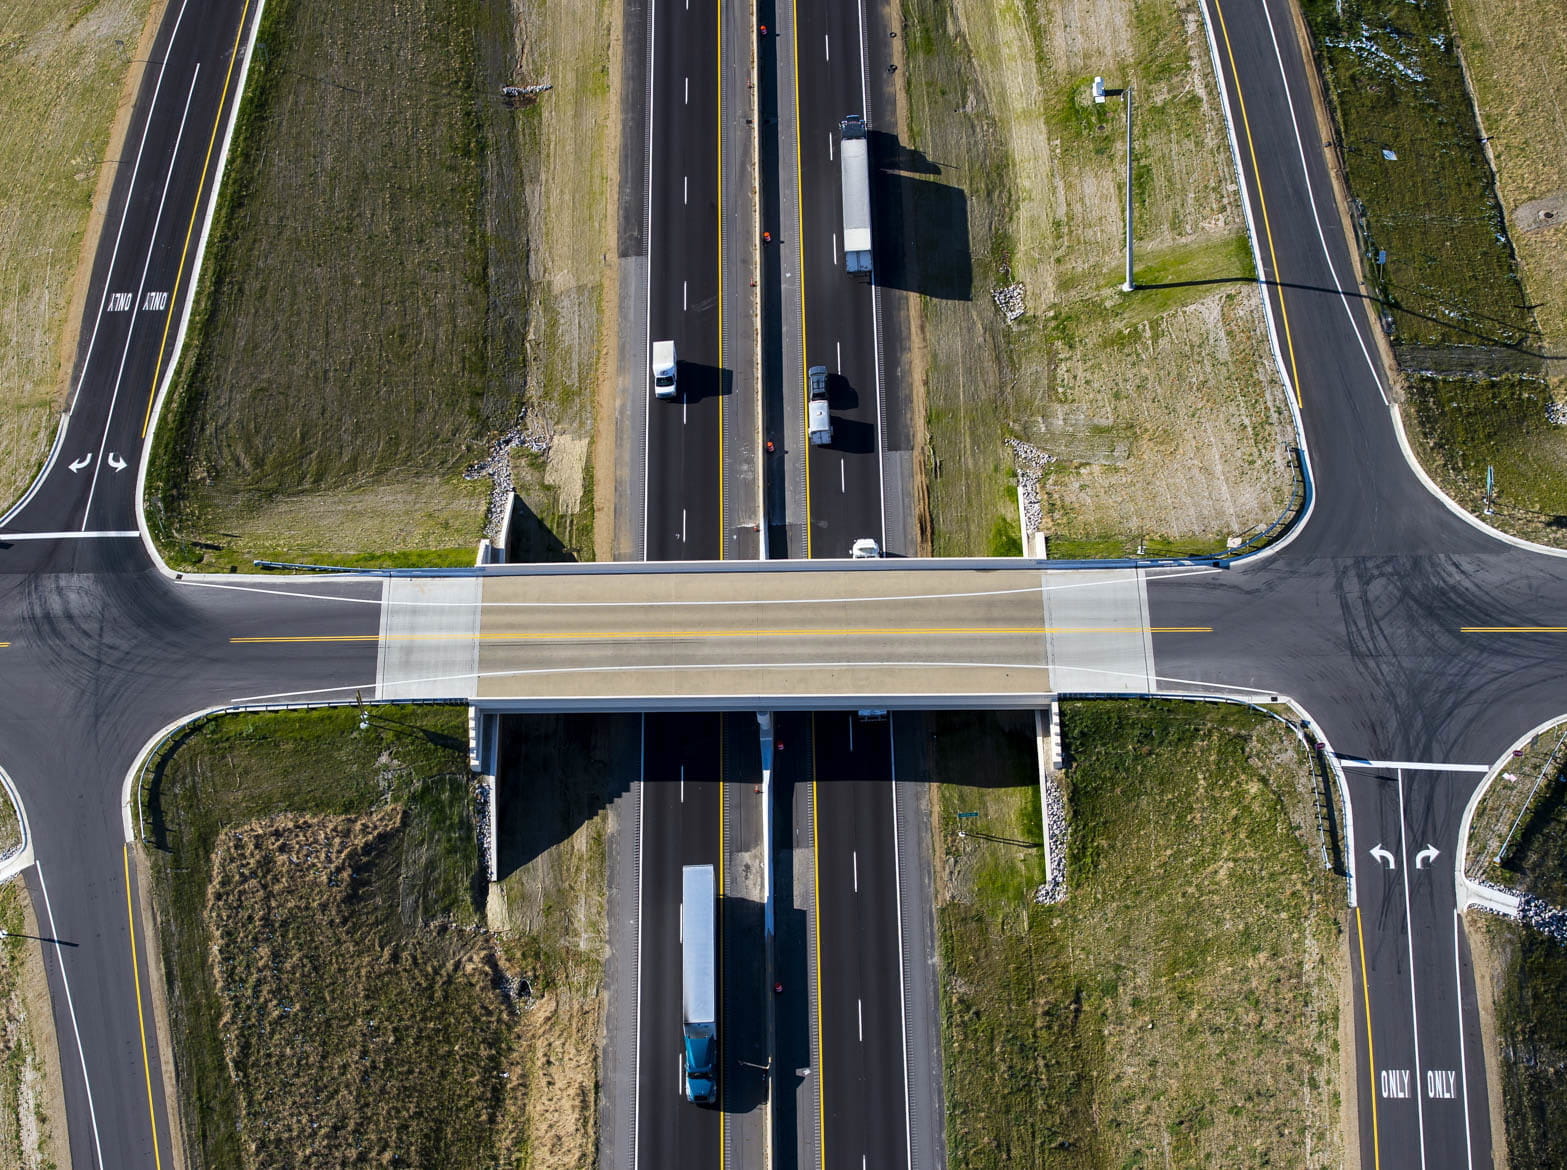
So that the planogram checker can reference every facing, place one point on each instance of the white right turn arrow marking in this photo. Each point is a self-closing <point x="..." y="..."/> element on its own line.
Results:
<point x="1428" y="854"/>
<point x="116" y="462"/>
<point x="1382" y="854"/>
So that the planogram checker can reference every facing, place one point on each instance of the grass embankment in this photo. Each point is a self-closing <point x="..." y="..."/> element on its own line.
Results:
<point x="1181" y="1006"/>
<point x="335" y="997"/>
<point x="1516" y="54"/>
<point x="61" y="69"/>
<point x="32" y="1111"/>
<point x="382" y="265"/>
<point x="1525" y="971"/>
<point x="1465" y="332"/>
<point x="1519" y="820"/>
<point x="1162" y="407"/>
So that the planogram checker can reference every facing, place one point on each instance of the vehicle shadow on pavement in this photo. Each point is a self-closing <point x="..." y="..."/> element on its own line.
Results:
<point x="920" y="225"/>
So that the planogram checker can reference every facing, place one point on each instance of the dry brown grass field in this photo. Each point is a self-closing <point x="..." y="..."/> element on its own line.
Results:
<point x="1516" y="53"/>
<point x="344" y="987"/>
<point x="1162" y="407"/>
<point x="404" y="266"/>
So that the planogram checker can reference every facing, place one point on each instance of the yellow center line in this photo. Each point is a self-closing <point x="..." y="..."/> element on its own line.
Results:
<point x="179" y="273"/>
<point x="1371" y="1055"/>
<point x="665" y="635"/>
<point x="141" y="1015"/>
<point x="1262" y="202"/>
<point x="1513" y="629"/>
<point x="718" y="139"/>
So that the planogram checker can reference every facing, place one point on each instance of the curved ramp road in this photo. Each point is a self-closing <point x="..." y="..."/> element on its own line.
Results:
<point x="1420" y="645"/>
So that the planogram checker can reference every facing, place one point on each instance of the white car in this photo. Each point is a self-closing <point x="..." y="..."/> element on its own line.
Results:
<point x="865" y="549"/>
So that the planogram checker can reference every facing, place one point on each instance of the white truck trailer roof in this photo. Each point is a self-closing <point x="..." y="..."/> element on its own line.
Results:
<point x="699" y="938"/>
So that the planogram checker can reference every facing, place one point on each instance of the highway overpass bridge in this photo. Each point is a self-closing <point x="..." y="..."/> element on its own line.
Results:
<point x="765" y="635"/>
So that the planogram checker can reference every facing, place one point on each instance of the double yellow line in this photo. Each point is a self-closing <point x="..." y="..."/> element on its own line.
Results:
<point x="689" y="635"/>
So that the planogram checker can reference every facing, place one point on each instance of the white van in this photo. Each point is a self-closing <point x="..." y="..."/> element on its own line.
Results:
<point x="664" y="369"/>
<point x="818" y="419"/>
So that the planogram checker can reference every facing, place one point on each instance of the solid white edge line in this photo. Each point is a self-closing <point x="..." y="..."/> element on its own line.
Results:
<point x="108" y="278"/>
<point x="221" y="169"/>
<point x="7" y="537"/>
<point x="70" y="1007"/>
<point x="881" y="388"/>
<point x="903" y="994"/>
<point x="1410" y="766"/>
<point x="647" y="293"/>
<point x="136" y="303"/>
<point x="1463" y="1060"/>
<point x="1299" y="525"/>
<point x="1358" y="323"/>
<point x="1414" y="995"/>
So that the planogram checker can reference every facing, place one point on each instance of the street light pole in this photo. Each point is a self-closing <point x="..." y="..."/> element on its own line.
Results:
<point x="1130" y="283"/>
<point x="1100" y="93"/>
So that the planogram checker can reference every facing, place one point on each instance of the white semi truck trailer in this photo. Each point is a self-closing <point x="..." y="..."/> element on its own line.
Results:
<point x="699" y="983"/>
<point x="854" y="153"/>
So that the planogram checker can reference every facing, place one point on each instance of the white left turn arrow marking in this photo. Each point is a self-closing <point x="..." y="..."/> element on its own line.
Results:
<point x="1427" y="854"/>
<point x="116" y="462"/>
<point x="82" y="462"/>
<point x="1382" y="854"/>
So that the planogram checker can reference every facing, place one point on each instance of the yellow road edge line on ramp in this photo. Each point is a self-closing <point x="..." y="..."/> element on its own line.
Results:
<point x="1371" y="1057"/>
<point x="206" y="165"/>
<point x="662" y="635"/>
<point x="1512" y="629"/>
<point x="141" y="1015"/>
<point x="1262" y="202"/>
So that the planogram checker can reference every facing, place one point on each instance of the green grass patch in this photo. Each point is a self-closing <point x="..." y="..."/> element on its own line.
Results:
<point x="1180" y="1007"/>
<point x="331" y="1000"/>
<point x="1396" y="84"/>
<point x="1529" y="977"/>
<point x="29" y="1135"/>
<point x="1466" y="425"/>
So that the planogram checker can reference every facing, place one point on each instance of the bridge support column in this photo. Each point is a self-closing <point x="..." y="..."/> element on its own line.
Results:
<point x="483" y="750"/>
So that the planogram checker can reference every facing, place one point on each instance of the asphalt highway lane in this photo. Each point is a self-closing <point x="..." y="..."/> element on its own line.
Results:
<point x="683" y="770"/>
<point x="844" y="498"/>
<point x="1367" y="617"/>
<point x="685" y="506"/>
<point x="102" y="652"/>
<point x="859" y="951"/>
<point x="143" y="270"/>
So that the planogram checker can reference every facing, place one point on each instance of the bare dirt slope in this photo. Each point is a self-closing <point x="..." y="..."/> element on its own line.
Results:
<point x="1161" y="408"/>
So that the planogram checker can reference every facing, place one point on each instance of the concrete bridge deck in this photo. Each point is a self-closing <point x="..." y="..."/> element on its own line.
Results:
<point x="890" y="637"/>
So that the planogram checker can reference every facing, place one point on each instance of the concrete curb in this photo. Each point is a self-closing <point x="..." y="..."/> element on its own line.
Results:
<point x="20" y="858"/>
<point x="156" y="412"/>
<point x="1472" y="893"/>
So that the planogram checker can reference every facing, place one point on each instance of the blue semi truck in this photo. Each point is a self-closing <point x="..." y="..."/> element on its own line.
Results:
<point x="699" y="983"/>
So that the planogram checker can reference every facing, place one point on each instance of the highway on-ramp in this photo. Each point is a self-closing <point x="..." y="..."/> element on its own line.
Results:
<point x="1421" y="646"/>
